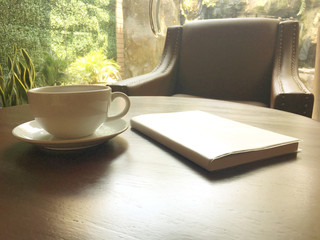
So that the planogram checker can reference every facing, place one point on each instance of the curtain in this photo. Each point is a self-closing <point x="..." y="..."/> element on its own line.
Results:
<point x="316" y="83"/>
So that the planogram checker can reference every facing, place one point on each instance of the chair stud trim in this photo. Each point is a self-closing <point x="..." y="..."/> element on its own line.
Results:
<point x="165" y="52"/>
<point x="294" y="58"/>
<point x="280" y="56"/>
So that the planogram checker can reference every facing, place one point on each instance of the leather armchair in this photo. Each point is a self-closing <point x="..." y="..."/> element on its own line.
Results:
<point x="249" y="60"/>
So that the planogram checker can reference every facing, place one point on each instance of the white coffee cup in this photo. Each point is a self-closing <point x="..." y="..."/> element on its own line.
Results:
<point x="74" y="111"/>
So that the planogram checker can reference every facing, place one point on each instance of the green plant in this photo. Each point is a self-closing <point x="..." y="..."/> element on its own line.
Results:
<point x="302" y="8"/>
<point x="93" y="68"/>
<point x="51" y="71"/>
<point x="20" y="78"/>
<point x="190" y="9"/>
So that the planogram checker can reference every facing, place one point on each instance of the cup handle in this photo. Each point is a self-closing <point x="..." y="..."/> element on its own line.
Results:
<point x="126" y="108"/>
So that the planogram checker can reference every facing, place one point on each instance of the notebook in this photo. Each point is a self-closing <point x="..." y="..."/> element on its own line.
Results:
<point x="211" y="141"/>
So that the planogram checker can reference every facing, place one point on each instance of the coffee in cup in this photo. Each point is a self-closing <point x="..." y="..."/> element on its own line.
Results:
<point x="74" y="111"/>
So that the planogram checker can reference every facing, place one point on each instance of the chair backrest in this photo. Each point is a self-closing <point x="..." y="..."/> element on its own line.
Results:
<point x="228" y="59"/>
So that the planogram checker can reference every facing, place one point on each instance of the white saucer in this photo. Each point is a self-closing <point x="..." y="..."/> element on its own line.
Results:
<point x="31" y="132"/>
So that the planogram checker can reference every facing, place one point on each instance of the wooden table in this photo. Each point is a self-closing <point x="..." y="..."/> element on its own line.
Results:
<point x="133" y="188"/>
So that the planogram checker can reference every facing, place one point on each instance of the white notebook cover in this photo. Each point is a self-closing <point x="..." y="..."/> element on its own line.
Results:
<point x="213" y="142"/>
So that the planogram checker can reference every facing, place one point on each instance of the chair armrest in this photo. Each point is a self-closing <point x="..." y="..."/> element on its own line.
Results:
<point x="161" y="81"/>
<point x="150" y="84"/>
<point x="288" y="92"/>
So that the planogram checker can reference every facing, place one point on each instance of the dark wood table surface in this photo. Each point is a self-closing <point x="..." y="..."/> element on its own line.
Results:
<point x="133" y="188"/>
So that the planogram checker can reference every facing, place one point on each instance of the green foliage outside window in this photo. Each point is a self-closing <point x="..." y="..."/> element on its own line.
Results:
<point x="66" y="29"/>
<point x="94" y="68"/>
<point x="236" y="8"/>
<point x="51" y="70"/>
<point x="20" y="78"/>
